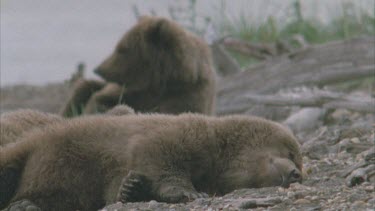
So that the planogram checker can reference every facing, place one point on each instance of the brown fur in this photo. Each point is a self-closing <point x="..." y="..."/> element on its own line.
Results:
<point x="79" y="164"/>
<point x="104" y="99"/>
<point x="14" y="124"/>
<point x="163" y="67"/>
<point x="120" y="110"/>
<point x="83" y="90"/>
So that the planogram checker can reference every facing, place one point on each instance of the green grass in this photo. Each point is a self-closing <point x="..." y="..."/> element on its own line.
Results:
<point x="348" y="20"/>
<point x="351" y="22"/>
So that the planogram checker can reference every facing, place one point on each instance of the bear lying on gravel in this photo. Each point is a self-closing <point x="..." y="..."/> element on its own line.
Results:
<point x="156" y="67"/>
<point x="88" y="162"/>
<point x="15" y="123"/>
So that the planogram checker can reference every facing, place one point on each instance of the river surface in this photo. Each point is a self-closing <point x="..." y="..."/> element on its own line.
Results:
<point x="42" y="41"/>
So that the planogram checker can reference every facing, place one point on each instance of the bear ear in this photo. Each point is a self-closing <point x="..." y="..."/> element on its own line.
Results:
<point x="160" y="34"/>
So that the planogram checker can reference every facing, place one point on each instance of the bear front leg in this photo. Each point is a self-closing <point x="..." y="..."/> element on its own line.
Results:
<point x="134" y="187"/>
<point x="82" y="92"/>
<point x="175" y="189"/>
<point x="22" y="205"/>
<point x="104" y="99"/>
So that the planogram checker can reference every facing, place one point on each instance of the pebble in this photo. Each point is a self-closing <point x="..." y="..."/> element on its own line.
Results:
<point x="227" y="205"/>
<point x="152" y="204"/>
<point x="280" y="189"/>
<point x="337" y="198"/>
<point x="297" y="186"/>
<point x="290" y="195"/>
<point x="372" y="202"/>
<point x="340" y="114"/>
<point x="355" y="140"/>
<point x="287" y="201"/>
<point x="358" y="205"/>
<point x="314" y="198"/>
<point x="302" y="201"/>
<point x="369" y="188"/>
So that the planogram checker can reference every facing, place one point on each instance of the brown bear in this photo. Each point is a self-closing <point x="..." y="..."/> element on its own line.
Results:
<point x="120" y="110"/>
<point x="13" y="124"/>
<point x="81" y="164"/>
<point x="82" y="92"/>
<point x="162" y="67"/>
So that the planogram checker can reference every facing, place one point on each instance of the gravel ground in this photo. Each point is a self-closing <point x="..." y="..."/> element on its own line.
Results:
<point x="339" y="162"/>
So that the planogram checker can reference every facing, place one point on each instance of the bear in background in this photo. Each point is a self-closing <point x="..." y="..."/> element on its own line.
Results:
<point x="156" y="67"/>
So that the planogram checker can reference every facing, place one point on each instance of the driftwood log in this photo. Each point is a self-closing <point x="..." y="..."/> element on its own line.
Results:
<point x="314" y="66"/>
<point x="327" y="100"/>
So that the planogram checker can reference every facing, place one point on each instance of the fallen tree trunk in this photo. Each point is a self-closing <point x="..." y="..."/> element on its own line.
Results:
<point x="315" y="66"/>
<point x="324" y="100"/>
<point x="258" y="51"/>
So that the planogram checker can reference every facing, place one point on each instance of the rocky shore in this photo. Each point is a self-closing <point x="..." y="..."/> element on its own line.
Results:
<point x="339" y="161"/>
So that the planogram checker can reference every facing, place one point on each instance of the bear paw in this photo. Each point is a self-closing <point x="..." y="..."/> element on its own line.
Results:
<point x="134" y="187"/>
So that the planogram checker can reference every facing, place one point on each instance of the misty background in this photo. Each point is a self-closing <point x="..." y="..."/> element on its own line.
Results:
<point x="42" y="41"/>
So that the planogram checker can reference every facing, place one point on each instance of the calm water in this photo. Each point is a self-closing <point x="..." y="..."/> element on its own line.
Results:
<point x="43" y="40"/>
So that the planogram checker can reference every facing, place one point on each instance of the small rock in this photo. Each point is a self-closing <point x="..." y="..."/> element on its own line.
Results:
<point x="227" y="206"/>
<point x="369" y="155"/>
<point x="302" y="201"/>
<point x="152" y="204"/>
<point x="290" y="194"/>
<point x="313" y="198"/>
<point x="355" y="140"/>
<point x="297" y="186"/>
<point x="339" y="115"/>
<point x="260" y="202"/>
<point x="281" y="189"/>
<point x="358" y="205"/>
<point x="372" y="202"/>
<point x="360" y="175"/>
<point x="305" y="119"/>
<point x="315" y="149"/>
<point x="287" y="201"/>
<point x="355" y="197"/>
